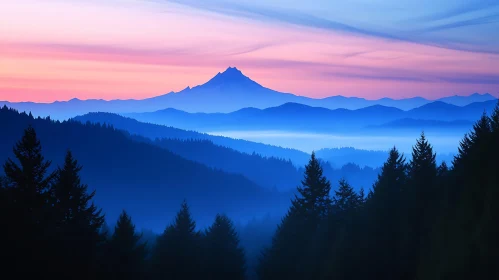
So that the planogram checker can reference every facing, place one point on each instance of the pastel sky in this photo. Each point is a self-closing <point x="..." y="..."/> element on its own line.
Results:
<point x="119" y="49"/>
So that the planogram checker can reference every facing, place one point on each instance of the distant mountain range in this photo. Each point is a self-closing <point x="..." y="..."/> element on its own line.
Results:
<point x="227" y="92"/>
<point x="299" y="117"/>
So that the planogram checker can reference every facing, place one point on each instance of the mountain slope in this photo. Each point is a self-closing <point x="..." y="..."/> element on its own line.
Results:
<point x="268" y="172"/>
<point x="150" y="182"/>
<point x="154" y="131"/>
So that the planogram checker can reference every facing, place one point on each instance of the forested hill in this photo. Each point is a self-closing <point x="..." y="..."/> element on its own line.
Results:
<point x="147" y="180"/>
<point x="154" y="131"/>
<point x="267" y="172"/>
<point x="218" y="152"/>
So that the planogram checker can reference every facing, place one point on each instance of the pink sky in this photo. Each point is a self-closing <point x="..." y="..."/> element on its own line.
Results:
<point x="58" y="50"/>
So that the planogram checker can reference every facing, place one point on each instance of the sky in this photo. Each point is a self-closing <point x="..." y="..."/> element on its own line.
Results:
<point x="120" y="49"/>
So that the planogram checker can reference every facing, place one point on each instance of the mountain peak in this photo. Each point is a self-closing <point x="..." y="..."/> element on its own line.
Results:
<point x="232" y="73"/>
<point x="233" y="70"/>
<point x="231" y="76"/>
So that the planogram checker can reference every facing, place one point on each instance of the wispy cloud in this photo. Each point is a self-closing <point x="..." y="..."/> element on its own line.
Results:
<point x="400" y="75"/>
<point x="298" y="18"/>
<point x="463" y="23"/>
<point x="469" y="7"/>
<point x="279" y="15"/>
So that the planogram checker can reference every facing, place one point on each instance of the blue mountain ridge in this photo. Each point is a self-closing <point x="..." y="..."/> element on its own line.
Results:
<point x="226" y="92"/>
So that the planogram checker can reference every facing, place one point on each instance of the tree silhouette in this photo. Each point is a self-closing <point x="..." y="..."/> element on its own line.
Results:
<point x="286" y="257"/>
<point x="420" y="201"/>
<point x="78" y="221"/>
<point x="342" y="241"/>
<point x="314" y="196"/>
<point x="466" y="245"/>
<point x="382" y="231"/>
<point x="224" y="257"/>
<point x="177" y="254"/>
<point x="28" y="212"/>
<point x="125" y="256"/>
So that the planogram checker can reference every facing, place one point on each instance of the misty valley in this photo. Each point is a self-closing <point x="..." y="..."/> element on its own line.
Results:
<point x="303" y="141"/>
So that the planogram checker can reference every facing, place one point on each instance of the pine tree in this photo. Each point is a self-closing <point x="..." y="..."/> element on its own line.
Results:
<point x="289" y="253"/>
<point x="465" y="241"/>
<point x="224" y="257"/>
<point x="489" y="240"/>
<point x="125" y="256"/>
<point x="314" y="193"/>
<point x="27" y="186"/>
<point x="78" y="220"/>
<point x="421" y="206"/>
<point x="345" y="201"/>
<point x="29" y="181"/>
<point x="281" y="259"/>
<point x="343" y="241"/>
<point x="383" y="221"/>
<point x="177" y="254"/>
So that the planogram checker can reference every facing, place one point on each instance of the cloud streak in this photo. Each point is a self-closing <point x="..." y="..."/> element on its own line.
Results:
<point x="464" y="23"/>
<point x="469" y="7"/>
<point x="281" y="15"/>
<point x="288" y="16"/>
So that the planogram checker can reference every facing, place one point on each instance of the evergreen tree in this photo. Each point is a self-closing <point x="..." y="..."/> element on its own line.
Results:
<point x="78" y="221"/>
<point x="177" y="254"/>
<point x="27" y="215"/>
<point x="343" y="241"/>
<point x="224" y="257"/>
<point x="383" y="221"/>
<point x="125" y="256"/>
<point x="345" y="201"/>
<point x="465" y="240"/>
<point x="287" y="257"/>
<point x="420" y="201"/>
<point x="314" y="197"/>
<point x="281" y="259"/>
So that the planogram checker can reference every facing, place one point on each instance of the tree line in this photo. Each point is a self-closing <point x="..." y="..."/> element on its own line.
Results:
<point x="419" y="220"/>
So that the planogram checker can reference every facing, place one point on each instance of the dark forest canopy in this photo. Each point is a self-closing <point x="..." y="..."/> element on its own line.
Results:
<point x="420" y="220"/>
